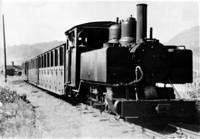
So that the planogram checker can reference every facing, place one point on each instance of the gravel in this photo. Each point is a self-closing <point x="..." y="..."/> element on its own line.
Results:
<point x="55" y="117"/>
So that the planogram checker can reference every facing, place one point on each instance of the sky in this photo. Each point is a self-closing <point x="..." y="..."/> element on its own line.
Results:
<point x="32" y="21"/>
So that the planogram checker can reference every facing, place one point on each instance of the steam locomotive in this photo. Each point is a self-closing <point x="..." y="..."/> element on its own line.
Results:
<point x="115" y="65"/>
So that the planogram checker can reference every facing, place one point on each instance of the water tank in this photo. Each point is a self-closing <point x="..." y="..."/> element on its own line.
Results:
<point x="128" y="31"/>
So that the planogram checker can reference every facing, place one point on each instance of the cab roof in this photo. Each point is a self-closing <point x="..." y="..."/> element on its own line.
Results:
<point x="98" y="24"/>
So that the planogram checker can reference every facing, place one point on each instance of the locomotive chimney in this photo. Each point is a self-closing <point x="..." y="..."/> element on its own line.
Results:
<point x="141" y="21"/>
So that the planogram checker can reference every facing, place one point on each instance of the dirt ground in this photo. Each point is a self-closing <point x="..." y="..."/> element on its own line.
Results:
<point x="57" y="118"/>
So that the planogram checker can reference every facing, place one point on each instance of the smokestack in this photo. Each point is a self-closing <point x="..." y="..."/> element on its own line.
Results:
<point x="13" y="63"/>
<point x="141" y="21"/>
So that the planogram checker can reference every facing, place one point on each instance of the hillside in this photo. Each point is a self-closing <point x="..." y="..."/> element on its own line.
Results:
<point x="190" y="39"/>
<point x="19" y="53"/>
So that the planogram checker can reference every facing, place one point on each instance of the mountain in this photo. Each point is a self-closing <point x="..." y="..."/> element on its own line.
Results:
<point x="20" y="53"/>
<point x="190" y="39"/>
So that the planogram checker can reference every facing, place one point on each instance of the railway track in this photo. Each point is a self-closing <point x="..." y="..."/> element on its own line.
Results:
<point x="148" y="131"/>
<point x="132" y="126"/>
<point x="185" y="133"/>
<point x="176" y="131"/>
<point x="166" y="131"/>
<point x="151" y="133"/>
<point x="179" y="133"/>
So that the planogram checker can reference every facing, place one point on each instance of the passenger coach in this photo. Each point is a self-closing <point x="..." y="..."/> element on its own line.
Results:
<point x="47" y="70"/>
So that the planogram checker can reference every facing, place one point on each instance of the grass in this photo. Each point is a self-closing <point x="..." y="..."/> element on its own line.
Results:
<point x="195" y="93"/>
<point x="17" y="115"/>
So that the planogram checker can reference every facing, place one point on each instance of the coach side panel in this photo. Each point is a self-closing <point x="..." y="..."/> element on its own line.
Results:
<point x="51" y="71"/>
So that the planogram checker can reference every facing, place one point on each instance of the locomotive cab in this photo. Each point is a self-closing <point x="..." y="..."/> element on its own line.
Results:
<point x="82" y="38"/>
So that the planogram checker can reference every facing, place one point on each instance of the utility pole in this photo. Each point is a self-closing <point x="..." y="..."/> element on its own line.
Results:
<point x="4" y="40"/>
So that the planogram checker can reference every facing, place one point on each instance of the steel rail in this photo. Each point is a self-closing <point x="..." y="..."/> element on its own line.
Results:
<point x="186" y="132"/>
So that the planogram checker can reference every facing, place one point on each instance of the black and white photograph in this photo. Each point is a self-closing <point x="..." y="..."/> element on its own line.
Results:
<point x="100" y="69"/>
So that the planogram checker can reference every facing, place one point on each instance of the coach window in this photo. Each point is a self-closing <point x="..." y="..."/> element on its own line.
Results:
<point x="45" y="59"/>
<point x="33" y="63"/>
<point x="38" y="62"/>
<point x="51" y="58"/>
<point x="42" y="61"/>
<point x="33" y="66"/>
<point x="56" y="57"/>
<point x="48" y="61"/>
<point x="61" y="56"/>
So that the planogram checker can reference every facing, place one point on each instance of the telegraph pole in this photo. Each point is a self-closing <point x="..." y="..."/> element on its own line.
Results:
<point x="4" y="40"/>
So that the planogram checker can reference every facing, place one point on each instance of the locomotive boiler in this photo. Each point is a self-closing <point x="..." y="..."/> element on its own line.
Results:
<point x="116" y="66"/>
